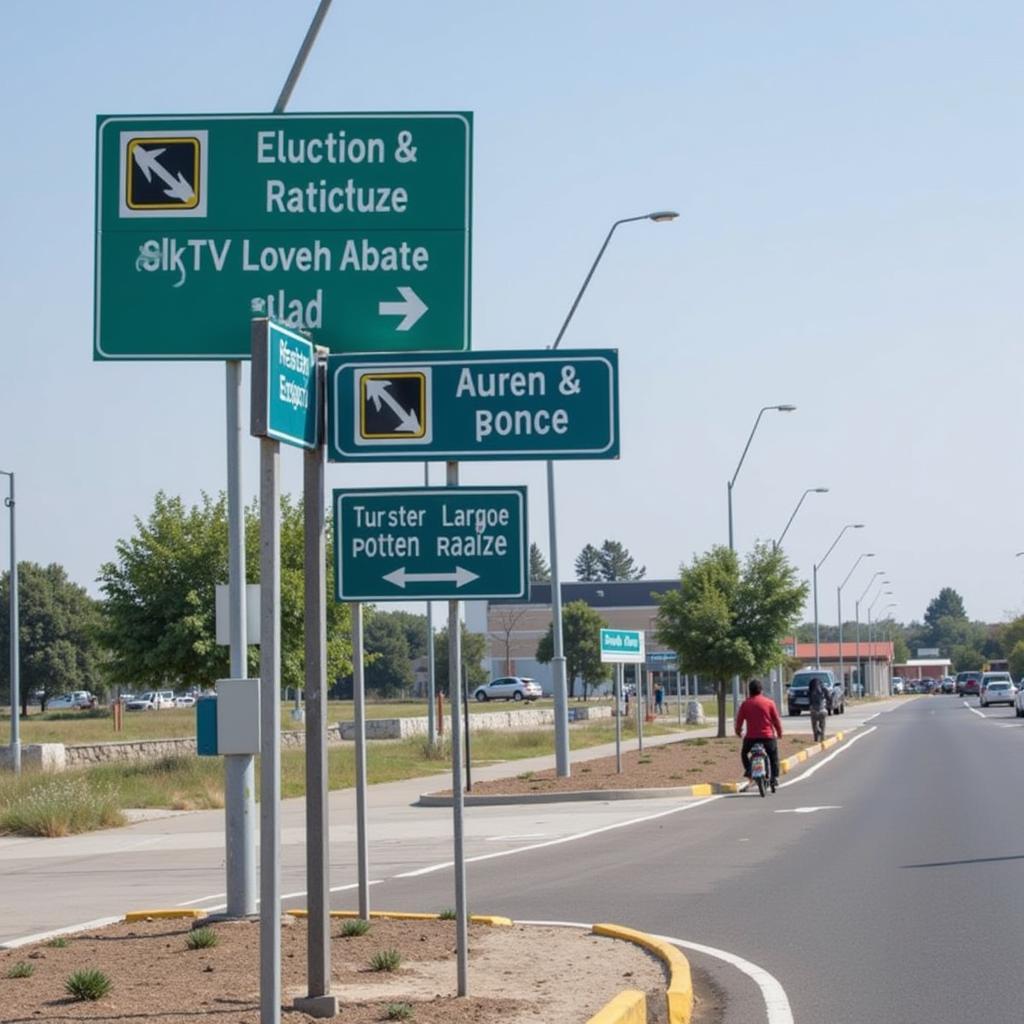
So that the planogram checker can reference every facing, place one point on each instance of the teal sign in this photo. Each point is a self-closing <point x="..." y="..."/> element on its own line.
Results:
<point x="353" y="226"/>
<point x="285" y="396"/>
<point x="415" y="543"/>
<point x="624" y="646"/>
<point x="474" y="405"/>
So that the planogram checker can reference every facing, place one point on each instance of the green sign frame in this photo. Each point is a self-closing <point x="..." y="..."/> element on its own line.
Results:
<point x="356" y="227"/>
<point x="286" y="391"/>
<point x="510" y="405"/>
<point x="430" y="543"/>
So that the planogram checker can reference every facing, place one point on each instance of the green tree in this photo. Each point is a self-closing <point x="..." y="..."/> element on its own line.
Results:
<point x="414" y="627"/>
<point x="581" y="643"/>
<point x="618" y="564"/>
<point x="1016" y="659"/>
<point x="159" y="624"/>
<point x="588" y="565"/>
<point x="57" y="627"/>
<point x="946" y="604"/>
<point x="389" y="673"/>
<point x="540" y="571"/>
<point x="728" y="620"/>
<point x="474" y="653"/>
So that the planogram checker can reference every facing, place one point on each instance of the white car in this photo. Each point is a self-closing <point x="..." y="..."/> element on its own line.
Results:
<point x="152" y="700"/>
<point x="509" y="688"/>
<point x="999" y="691"/>
<point x="1018" y="700"/>
<point x="186" y="700"/>
<point x="75" y="699"/>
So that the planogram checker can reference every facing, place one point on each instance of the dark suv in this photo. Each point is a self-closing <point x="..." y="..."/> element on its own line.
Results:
<point x="797" y="699"/>
<point x="968" y="683"/>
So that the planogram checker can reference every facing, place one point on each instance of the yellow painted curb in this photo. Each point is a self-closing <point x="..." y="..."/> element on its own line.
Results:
<point x="629" y="1007"/>
<point x="398" y="915"/>
<point x="701" y="789"/>
<point x="142" y="915"/>
<point x="731" y="787"/>
<point x="679" y="996"/>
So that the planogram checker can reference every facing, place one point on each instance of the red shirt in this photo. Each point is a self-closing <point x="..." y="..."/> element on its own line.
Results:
<point x="761" y="716"/>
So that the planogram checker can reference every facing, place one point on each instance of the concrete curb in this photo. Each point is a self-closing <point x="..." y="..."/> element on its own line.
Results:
<point x="679" y="995"/>
<point x="628" y="1007"/>
<point x="699" y="789"/>
<point x="168" y="914"/>
<point x="398" y="915"/>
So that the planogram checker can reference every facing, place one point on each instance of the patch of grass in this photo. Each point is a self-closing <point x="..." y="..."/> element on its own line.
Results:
<point x="56" y="805"/>
<point x="88" y="985"/>
<point x="525" y="776"/>
<point x="21" y="970"/>
<point x="182" y="783"/>
<point x="354" y="926"/>
<point x="201" y="938"/>
<point x="398" y="1011"/>
<point x="386" y="960"/>
<point x="57" y="942"/>
<point x="700" y="741"/>
<point x="448" y="914"/>
<point x="643" y="760"/>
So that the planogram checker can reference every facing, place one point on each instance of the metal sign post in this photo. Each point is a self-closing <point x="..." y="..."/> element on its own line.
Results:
<point x="622" y="647"/>
<point x="618" y="719"/>
<point x="359" y="716"/>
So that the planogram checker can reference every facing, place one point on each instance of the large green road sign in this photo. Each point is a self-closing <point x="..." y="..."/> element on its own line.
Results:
<point x="474" y="405"/>
<point x="414" y="543"/>
<point x="353" y="226"/>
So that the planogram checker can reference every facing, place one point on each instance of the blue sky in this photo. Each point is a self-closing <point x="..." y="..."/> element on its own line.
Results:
<point x="850" y="241"/>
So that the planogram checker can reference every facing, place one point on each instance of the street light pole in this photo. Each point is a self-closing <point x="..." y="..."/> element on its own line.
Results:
<point x="557" y="653"/>
<point x="860" y="679"/>
<point x="839" y="608"/>
<point x="871" y="637"/>
<point x="729" y="487"/>
<point x="12" y="609"/>
<point x="810" y="490"/>
<point x="817" y="566"/>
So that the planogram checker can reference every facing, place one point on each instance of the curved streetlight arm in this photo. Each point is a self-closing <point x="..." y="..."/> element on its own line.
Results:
<point x="789" y="522"/>
<point x="867" y="554"/>
<point x="871" y="583"/>
<point x="878" y="596"/>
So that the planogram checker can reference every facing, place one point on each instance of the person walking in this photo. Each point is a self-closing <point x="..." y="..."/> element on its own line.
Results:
<point x="659" y="699"/>
<point x="818" y="700"/>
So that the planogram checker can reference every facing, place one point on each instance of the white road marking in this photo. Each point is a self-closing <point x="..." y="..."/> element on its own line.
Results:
<point x="24" y="940"/>
<point x="835" y="753"/>
<point x="293" y="895"/>
<point x="974" y="711"/>
<point x="524" y="835"/>
<point x="203" y="899"/>
<point x="776" y="1003"/>
<point x="870" y="717"/>
<point x="808" y="810"/>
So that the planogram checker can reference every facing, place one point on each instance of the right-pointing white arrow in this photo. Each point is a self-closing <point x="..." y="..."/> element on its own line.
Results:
<point x="411" y="308"/>
<point x="460" y="577"/>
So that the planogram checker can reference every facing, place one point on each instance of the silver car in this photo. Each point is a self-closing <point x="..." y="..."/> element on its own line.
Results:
<point x="509" y="688"/>
<point x="998" y="691"/>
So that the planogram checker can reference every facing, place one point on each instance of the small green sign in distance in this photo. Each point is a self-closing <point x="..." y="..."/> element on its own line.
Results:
<point x="474" y="405"/>
<point x="415" y="543"/>
<point x="285" y="396"/>
<point x="355" y="226"/>
<point x="622" y="646"/>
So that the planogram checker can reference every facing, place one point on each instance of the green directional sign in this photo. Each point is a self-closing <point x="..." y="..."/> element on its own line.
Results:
<point x="354" y="226"/>
<point x="416" y="543"/>
<point x="474" y="405"/>
<point x="285" y="397"/>
<point x="622" y="646"/>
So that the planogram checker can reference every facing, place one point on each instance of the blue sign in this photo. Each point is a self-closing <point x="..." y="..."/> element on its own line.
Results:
<point x="285" y="395"/>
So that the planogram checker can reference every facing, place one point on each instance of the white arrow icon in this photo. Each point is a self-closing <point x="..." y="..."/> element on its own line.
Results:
<point x="177" y="187"/>
<point x="460" y="577"/>
<point x="411" y="308"/>
<point x="377" y="391"/>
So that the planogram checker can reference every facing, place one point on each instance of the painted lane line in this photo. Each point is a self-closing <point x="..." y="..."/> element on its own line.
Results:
<point x="835" y="753"/>
<point x="291" y="895"/>
<point x="203" y="899"/>
<point x="870" y="717"/>
<point x="510" y="838"/>
<point x="563" y="839"/>
<point x="809" y="810"/>
<point x="24" y="940"/>
<point x="973" y="711"/>
<point x="776" y="1002"/>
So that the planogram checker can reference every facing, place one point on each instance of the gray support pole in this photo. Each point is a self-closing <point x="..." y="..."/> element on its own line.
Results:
<point x="359" y="714"/>
<point x="13" y="615"/>
<point x="270" y="732"/>
<point x="558" y="680"/>
<point x="639" y="709"/>
<point x="455" y="699"/>
<point x="839" y="608"/>
<point x="679" y="696"/>
<point x="618" y="719"/>
<point x="318" y="857"/>
<point x="817" y="636"/>
<point x="239" y="769"/>
<point x="860" y="680"/>
<point x="431" y="683"/>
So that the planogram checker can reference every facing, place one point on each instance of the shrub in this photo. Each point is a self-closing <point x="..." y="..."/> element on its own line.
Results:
<point x="21" y="970"/>
<point x="386" y="960"/>
<point x="57" y="942"/>
<point x="201" y="938"/>
<point x="398" y="1011"/>
<point x="354" y="926"/>
<point x="57" y="805"/>
<point x="88" y="984"/>
<point x="448" y="914"/>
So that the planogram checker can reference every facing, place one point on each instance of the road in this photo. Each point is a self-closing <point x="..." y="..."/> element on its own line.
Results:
<point x="875" y="887"/>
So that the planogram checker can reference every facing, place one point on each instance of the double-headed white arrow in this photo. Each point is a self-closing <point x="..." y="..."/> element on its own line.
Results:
<point x="411" y="308"/>
<point x="377" y="391"/>
<point x="460" y="577"/>
<point x="177" y="187"/>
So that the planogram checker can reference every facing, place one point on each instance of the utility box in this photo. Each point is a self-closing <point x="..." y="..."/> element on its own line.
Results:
<point x="206" y="727"/>
<point x="238" y="716"/>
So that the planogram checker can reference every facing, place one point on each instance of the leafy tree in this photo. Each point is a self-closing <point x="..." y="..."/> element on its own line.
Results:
<point x="618" y="564"/>
<point x="57" y="624"/>
<point x="415" y="629"/>
<point x="966" y="658"/>
<point x="588" y="565"/>
<point x="1016" y="660"/>
<point x="159" y="610"/>
<point x="474" y="652"/>
<point x="726" y="620"/>
<point x="946" y="604"/>
<point x="540" y="571"/>
<point x="1010" y="634"/>
<point x="389" y="673"/>
<point x="900" y="650"/>
<point x="581" y="642"/>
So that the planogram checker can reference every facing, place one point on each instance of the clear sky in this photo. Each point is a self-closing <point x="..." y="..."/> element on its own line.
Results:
<point x="850" y="241"/>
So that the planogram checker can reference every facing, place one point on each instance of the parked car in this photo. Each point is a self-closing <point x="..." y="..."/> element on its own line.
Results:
<point x="948" y="684"/>
<point x="898" y="685"/>
<point x="1018" y="700"/>
<point x="152" y="700"/>
<point x="509" y="688"/>
<point x="968" y="683"/>
<point x="186" y="700"/>
<point x="77" y="699"/>
<point x="797" y="699"/>
<point x="997" y="690"/>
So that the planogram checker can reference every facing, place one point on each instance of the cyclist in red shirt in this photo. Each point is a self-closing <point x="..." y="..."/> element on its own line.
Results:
<point x="763" y="726"/>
